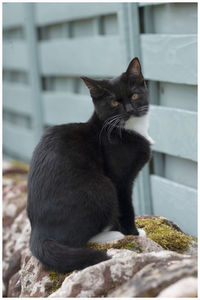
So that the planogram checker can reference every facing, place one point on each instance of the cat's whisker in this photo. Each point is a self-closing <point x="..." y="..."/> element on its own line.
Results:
<point x="109" y="124"/>
<point x="111" y="129"/>
<point x="142" y="108"/>
<point x="120" y="128"/>
<point x="106" y="123"/>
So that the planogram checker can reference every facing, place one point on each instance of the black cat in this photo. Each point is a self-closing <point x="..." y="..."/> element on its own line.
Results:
<point x="81" y="175"/>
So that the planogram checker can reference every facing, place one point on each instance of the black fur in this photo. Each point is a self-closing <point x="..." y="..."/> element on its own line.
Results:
<point x="81" y="175"/>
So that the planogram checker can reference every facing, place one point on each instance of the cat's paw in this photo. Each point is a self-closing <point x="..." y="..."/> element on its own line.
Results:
<point x="107" y="237"/>
<point x="141" y="232"/>
<point x="151" y="141"/>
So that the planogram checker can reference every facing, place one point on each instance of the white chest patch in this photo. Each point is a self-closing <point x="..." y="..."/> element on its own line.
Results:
<point x="140" y="125"/>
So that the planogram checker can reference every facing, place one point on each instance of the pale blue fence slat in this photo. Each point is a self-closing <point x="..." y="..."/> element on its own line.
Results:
<point x="171" y="58"/>
<point x="18" y="140"/>
<point x="15" y="56"/>
<point x="174" y="131"/>
<point x="17" y="98"/>
<point x="163" y="15"/>
<point x="183" y="96"/>
<point x="59" y="12"/>
<point x="176" y="202"/>
<point x="66" y="107"/>
<point x="141" y="4"/>
<point x="94" y="59"/>
<point x="13" y="15"/>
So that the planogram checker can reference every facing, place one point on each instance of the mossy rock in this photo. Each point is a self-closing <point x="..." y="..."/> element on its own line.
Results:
<point x="127" y="242"/>
<point x="170" y="238"/>
<point x="56" y="281"/>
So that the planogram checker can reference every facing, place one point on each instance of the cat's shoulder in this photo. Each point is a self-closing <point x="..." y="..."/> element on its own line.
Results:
<point x="63" y="130"/>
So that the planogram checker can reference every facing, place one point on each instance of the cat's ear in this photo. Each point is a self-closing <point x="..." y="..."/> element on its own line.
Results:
<point x="93" y="85"/>
<point x="134" y="69"/>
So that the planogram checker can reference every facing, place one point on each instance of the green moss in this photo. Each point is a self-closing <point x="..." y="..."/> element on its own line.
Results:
<point x="21" y="165"/>
<point x="167" y="236"/>
<point x="125" y="243"/>
<point x="56" y="281"/>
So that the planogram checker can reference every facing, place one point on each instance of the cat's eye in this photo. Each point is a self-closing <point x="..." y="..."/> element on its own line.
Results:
<point x="115" y="103"/>
<point x="134" y="96"/>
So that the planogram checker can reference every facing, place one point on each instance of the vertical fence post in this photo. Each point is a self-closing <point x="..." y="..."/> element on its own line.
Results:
<point x="129" y="24"/>
<point x="34" y="71"/>
<point x="153" y="86"/>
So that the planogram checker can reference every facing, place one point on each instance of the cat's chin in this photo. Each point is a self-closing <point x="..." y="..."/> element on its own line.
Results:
<point x="140" y="125"/>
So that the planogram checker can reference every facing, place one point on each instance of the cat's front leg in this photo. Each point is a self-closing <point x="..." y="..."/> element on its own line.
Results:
<point x="127" y="214"/>
<point x="127" y="222"/>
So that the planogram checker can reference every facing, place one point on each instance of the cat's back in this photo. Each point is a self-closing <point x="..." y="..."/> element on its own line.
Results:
<point x="60" y="140"/>
<point x="60" y="136"/>
<point x="61" y="148"/>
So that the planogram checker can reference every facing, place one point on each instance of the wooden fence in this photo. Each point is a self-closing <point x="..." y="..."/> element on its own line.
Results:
<point x="48" y="46"/>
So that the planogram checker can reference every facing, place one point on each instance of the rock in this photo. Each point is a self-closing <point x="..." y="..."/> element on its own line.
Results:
<point x="15" y="197"/>
<point x="183" y="288"/>
<point x="15" y="167"/>
<point x="34" y="279"/>
<point x="100" y="279"/>
<point x="134" y="243"/>
<point x="14" y="288"/>
<point x="11" y="268"/>
<point x="167" y="234"/>
<point x="166" y="221"/>
<point x="147" y="245"/>
<point x="16" y="241"/>
<point x="155" y="276"/>
<point x="14" y="191"/>
<point x="17" y="238"/>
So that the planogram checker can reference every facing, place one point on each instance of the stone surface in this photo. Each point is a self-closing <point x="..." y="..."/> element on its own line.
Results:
<point x="34" y="279"/>
<point x="100" y="279"/>
<point x="139" y="266"/>
<point x="147" y="245"/>
<point x="183" y="288"/>
<point x="14" y="195"/>
<point x="14" y="287"/>
<point x="155" y="276"/>
<point x="17" y="237"/>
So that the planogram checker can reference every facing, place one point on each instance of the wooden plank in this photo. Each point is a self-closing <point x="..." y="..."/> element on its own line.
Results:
<point x="170" y="18"/>
<point x="141" y="4"/>
<point x="17" y="98"/>
<point x="62" y="12"/>
<point x="182" y="96"/>
<point x="15" y="56"/>
<point x="87" y="56"/>
<point x="61" y="107"/>
<point x="171" y="58"/>
<point x="176" y="202"/>
<point x="174" y="131"/>
<point x="13" y="15"/>
<point x="18" y="141"/>
<point x="180" y="170"/>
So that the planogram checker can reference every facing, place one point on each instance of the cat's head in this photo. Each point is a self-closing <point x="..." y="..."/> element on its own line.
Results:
<point x="124" y="96"/>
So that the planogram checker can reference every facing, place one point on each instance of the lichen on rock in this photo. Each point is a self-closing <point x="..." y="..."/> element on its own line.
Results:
<point x="165" y="235"/>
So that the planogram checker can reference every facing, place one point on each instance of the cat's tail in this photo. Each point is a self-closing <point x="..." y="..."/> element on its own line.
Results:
<point x="63" y="258"/>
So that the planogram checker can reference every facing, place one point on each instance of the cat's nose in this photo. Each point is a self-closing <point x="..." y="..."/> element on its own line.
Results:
<point x="129" y="107"/>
